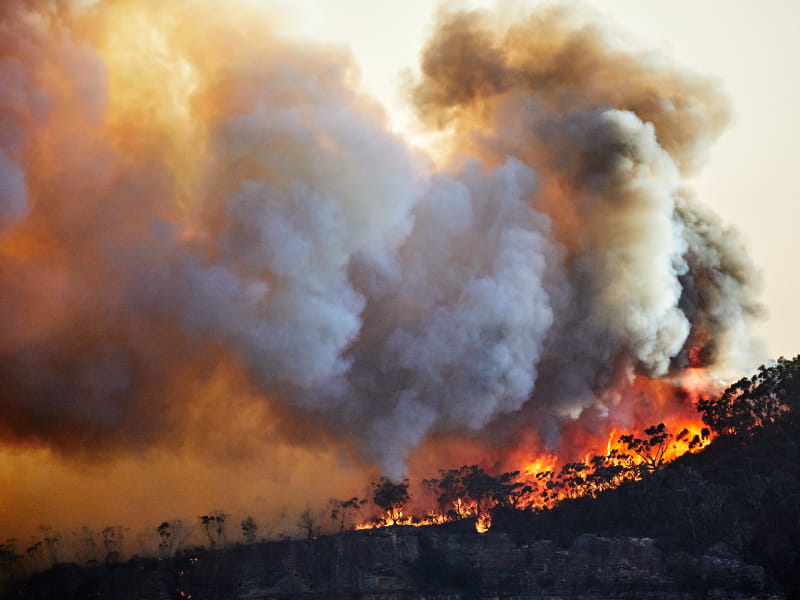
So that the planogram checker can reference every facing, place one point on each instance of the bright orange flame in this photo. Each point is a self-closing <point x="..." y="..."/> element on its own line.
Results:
<point x="542" y="464"/>
<point x="483" y="523"/>
<point x="593" y="460"/>
<point x="644" y="402"/>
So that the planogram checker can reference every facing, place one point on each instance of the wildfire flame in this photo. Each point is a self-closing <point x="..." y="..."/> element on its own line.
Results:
<point x="616" y="451"/>
<point x="483" y="523"/>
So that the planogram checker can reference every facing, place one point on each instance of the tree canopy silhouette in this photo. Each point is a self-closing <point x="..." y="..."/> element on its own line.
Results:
<point x="753" y="403"/>
<point x="391" y="497"/>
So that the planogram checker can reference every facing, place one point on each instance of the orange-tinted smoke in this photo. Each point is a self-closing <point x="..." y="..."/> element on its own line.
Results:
<point x="214" y="255"/>
<point x="114" y="408"/>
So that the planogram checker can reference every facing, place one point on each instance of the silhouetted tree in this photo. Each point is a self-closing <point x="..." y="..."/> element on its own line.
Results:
<point x="481" y="488"/>
<point x="608" y="471"/>
<point x="112" y="543"/>
<point x="342" y="511"/>
<point x="391" y="497"/>
<point x="307" y="522"/>
<point x="84" y="545"/>
<point x="214" y="527"/>
<point x="650" y="449"/>
<point x="52" y="542"/>
<point x="469" y="490"/>
<point x="571" y="482"/>
<point x="451" y="494"/>
<point x="520" y="498"/>
<point x="756" y="402"/>
<point x="9" y="561"/>
<point x="545" y="485"/>
<point x="171" y="537"/>
<point x="249" y="530"/>
<point x="35" y="556"/>
<point x="693" y="442"/>
<point x="165" y="539"/>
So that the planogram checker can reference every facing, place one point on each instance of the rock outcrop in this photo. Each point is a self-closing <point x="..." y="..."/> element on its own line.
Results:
<point x="415" y="564"/>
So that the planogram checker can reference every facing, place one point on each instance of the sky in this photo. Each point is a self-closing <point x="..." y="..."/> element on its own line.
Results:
<point x="751" y="48"/>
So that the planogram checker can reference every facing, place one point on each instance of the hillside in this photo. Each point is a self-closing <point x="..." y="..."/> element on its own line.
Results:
<point x="721" y="523"/>
<point x="742" y="491"/>
<point x="415" y="563"/>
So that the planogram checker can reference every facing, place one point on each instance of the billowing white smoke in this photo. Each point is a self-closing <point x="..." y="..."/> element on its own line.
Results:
<point x="280" y="223"/>
<point x="630" y="250"/>
<point x="391" y="303"/>
<point x="454" y="331"/>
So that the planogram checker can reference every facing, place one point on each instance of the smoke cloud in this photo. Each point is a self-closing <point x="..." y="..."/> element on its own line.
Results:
<point x="193" y="200"/>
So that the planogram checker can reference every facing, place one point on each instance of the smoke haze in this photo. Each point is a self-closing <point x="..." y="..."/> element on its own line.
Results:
<point x="217" y="259"/>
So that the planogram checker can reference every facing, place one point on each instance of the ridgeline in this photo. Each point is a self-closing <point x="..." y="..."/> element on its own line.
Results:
<point x="723" y="522"/>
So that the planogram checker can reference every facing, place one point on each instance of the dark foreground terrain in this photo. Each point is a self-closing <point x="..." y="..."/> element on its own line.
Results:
<point x="721" y="523"/>
<point x="417" y="563"/>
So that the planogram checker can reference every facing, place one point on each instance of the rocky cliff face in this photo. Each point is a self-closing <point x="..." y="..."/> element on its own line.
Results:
<point x="417" y="564"/>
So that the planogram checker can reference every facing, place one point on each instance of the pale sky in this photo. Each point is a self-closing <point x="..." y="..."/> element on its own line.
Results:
<point x="752" y="48"/>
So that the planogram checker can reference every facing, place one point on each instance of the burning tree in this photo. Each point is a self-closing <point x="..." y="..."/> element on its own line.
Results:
<point x="450" y="494"/>
<point x="651" y="449"/>
<point x="470" y="491"/>
<point x="391" y="497"/>
<point x="632" y="457"/>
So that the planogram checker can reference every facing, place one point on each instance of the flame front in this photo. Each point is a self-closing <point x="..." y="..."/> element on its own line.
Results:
<point x="483" y="523"/>
<point x="671" y="402"/>
<point x="618" y="451"/>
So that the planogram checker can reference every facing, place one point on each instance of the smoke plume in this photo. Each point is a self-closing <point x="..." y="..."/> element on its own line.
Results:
<point x="193" y="200"/>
